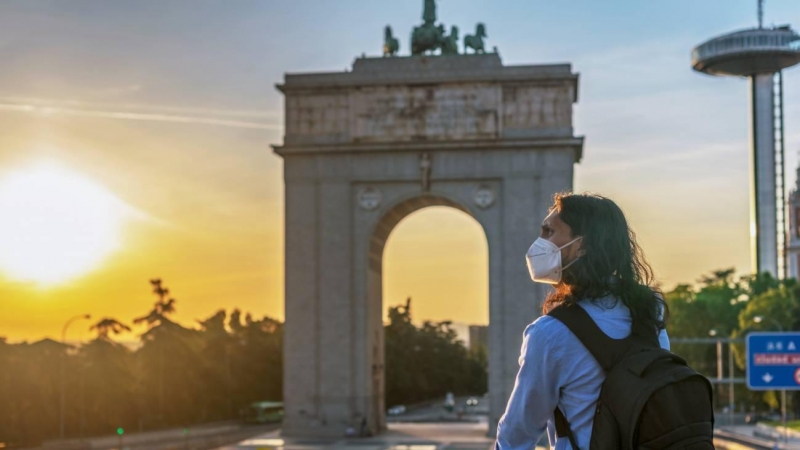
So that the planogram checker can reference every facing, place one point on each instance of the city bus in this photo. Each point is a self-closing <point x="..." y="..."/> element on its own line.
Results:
<point x="265" y="412"/>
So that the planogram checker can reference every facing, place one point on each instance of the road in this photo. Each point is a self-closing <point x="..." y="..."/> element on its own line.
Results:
<point x="435" y="412"/>
<point x="201" y="437"/>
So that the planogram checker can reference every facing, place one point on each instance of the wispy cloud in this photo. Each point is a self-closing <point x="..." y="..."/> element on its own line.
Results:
<point x="132" y="111"/>
<point x="694" y="154"/>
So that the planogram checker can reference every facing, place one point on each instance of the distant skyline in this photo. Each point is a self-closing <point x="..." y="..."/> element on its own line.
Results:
<point x="171" y="108"/>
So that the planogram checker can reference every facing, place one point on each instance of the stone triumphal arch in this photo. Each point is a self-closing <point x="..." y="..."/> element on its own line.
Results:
<point x="362" y="150"/>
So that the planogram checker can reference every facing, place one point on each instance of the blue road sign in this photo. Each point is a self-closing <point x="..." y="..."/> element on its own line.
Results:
<point x="773" y="361"/>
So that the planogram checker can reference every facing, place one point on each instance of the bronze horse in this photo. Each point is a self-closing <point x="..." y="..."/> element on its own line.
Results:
<point x="475" y="42"/>
<point x="390" y="44"/>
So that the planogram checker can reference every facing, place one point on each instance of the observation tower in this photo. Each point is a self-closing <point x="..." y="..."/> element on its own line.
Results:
<point x="760" y="54"/>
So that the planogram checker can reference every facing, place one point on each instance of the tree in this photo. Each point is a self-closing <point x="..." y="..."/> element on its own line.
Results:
<point x="779" y="305"/>
<point x="161" y="309"/>
<point x="174" y="377"/>
<point x="423" y="363"/>
<point x="217" y="349"/>
<point x="725" y="306"/>
<point x="157" y="336"/>
<point x="257" y="360"/>
<point x="108" y="326"/>
<point x="106" y="395"/>
<point x="711" y="309"/>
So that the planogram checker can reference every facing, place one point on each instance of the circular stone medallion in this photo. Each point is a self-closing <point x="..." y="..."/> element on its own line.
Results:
<point x="369" y="198"/>
<point x="484" y="197"/>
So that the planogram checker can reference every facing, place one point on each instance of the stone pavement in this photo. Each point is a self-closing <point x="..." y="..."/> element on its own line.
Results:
<point x="400" y="436"/>
<point x="769" y="438"/>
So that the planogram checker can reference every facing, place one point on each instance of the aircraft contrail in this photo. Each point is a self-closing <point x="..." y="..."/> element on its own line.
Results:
<point x="45" y="108"/>
<point x="141" y="107"/>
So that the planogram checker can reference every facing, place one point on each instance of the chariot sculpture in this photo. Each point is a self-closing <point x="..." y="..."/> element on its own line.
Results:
<point x="429" y="37"/>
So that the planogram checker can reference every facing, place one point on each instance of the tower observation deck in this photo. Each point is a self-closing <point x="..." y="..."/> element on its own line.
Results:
<point x="760" y="54"/>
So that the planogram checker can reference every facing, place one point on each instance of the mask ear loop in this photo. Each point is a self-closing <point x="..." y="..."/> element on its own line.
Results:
<point x="573" y="261"/>
<point x="570" y="242"/>
<point x="570" y="263"/>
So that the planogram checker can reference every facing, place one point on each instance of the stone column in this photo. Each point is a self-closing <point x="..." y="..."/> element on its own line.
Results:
<point x="301" y="339"/>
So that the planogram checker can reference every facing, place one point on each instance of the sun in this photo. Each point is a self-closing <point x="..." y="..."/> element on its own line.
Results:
<point x="55" y="224"/>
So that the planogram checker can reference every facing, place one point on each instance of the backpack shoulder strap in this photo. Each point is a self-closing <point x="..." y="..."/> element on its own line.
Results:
<point x="563" y="429"/>
<point x="605" y="350"/>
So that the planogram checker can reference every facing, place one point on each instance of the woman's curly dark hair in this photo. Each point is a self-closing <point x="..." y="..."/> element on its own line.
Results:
<point x="612" y="262"/>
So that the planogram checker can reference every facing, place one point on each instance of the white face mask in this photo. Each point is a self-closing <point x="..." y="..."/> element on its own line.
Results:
<point x="544" y="261"/>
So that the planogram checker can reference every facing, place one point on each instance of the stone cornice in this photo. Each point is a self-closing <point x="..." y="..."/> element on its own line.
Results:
<point x="417" y="70"/>
<point x="574" y="142"/>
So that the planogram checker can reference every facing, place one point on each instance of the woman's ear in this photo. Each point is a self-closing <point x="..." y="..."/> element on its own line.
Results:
<point x="579" y="250"/>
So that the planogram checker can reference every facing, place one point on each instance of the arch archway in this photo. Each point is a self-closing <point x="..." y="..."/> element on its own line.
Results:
<point x="439" y="256"/>
<point x="386" y="231"/>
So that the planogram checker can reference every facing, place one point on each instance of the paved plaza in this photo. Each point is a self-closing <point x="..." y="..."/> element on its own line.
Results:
<point x="400" y="436"/>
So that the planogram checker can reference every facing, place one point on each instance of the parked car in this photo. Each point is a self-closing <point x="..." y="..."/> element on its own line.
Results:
<point x="449" y="402"/>
<point x="396" y="410"/>
<point x="754" y="418"/>
<point x="472" y="401"/>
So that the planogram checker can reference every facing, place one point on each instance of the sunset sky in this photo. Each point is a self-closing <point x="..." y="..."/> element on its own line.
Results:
<point x="139" y="134"/>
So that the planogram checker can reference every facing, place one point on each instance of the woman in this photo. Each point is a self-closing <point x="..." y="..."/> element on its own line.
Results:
<point x="590" y="255"/>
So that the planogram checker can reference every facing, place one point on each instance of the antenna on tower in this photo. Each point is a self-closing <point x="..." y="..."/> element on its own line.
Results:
<point x="760" y="14"/>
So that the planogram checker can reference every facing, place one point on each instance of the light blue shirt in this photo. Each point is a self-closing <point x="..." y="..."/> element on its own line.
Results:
<point x="555" y="369"/>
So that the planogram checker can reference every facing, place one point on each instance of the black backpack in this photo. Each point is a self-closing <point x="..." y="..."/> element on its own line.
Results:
<point x="650" y="398"/>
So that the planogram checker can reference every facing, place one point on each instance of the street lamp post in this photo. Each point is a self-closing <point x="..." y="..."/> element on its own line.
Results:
<point x="714" y="333"/>
<point x="759" y="319"/>
<point x="731" y="401"/>
<point x="64" y="341"/>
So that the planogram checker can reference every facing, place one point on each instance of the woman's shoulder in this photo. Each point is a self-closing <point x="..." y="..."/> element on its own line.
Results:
<point x="548" y="339"/>
<point x="547" y="325"/>
<point x="545" y="328"/>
